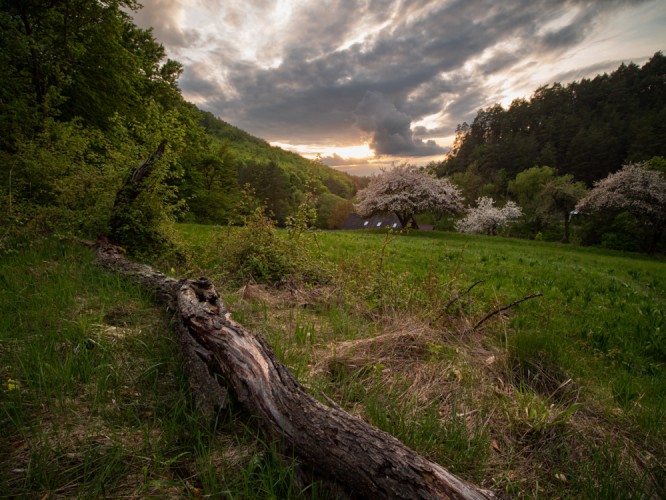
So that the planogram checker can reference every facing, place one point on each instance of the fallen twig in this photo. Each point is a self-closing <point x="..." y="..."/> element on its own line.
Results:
<point x="504" y="308"/>
<point x="460" y="296"/>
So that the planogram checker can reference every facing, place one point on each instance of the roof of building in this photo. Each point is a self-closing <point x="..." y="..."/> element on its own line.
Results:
<point x="355" y="221"/>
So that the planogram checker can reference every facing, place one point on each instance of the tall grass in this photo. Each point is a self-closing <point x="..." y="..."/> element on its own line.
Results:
<point x="93" y="397"/>
<point x="575" y="376"/>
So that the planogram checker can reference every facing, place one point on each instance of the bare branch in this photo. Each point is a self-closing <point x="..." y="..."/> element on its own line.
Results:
<point x="504" y="308"/>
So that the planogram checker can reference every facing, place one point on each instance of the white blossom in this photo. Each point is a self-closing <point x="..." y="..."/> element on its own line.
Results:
<point x="487" y="218"/>
<point x="407" y="190"/>
<point x="634" y="189"/>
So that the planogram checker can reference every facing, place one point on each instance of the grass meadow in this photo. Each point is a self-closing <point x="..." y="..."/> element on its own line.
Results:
<point x="561" y="395"/>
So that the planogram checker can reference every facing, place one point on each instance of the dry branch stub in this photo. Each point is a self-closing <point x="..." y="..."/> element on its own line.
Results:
<point x="335" y="445"/>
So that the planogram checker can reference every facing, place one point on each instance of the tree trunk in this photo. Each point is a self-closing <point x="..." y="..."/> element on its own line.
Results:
<point x="405" y="219"/>
<point x="655" y="238"/>
<point x="124" y="228"/>
<point x="336" y="446"/>
<point x="567" y="222"/>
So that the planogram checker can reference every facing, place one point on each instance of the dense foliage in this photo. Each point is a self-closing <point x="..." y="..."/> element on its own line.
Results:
<point x="280" y="178"/>
<point x="87" y="96"/>
<point x="635" y="192"/>
<point x="587" y="128"/>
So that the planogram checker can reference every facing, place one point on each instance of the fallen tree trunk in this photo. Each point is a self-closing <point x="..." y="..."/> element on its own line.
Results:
<point x="365" y="461"/>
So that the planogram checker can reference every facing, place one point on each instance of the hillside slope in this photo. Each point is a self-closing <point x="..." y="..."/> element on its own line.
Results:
<point x="280" y="177"/>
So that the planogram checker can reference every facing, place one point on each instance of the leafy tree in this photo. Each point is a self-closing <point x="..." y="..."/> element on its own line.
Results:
<point x="527" y="187"/>
<point x="405" y="191"/>
<point x="473" y="184"/>
<point x="487" y="218"/>
<point x="560" y="195"/>
<point x="635" y="189"/>
<point x="339" y="213"/>
<point x="273" y="185"/>
<point x="64" y="179"/>
<point x="211" y="182"/>
<point x="327" y="205"/>
<point x="149" y="201"/>
<point x="79" y="58"/>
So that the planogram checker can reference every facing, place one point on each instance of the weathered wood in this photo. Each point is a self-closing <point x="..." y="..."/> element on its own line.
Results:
<point x="337" y="446"/>
<point x="209" y="395"/>
<point x="124" y="226"/>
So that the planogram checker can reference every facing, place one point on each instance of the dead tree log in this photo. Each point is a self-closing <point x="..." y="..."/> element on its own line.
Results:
<point x="337" y="446"/>
<point x="129" y="225"/>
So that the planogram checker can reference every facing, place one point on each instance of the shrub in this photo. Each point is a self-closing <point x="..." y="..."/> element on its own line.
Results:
<point x="260" y="252"/>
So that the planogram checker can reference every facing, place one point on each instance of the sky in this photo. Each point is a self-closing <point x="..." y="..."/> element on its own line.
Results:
<point x="369" y="83"/>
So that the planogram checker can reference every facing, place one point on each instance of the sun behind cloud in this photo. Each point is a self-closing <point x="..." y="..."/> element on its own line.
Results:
<point x="359" y="151"/>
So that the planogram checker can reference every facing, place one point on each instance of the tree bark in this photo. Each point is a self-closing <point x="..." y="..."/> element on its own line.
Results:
<point x="405" y="218"/>
<point x="124" y="228"/>
<point x="336" y="446"/>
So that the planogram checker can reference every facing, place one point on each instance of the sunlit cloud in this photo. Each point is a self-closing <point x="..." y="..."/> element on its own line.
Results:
<point x="314" y="151"/>
<point x="391" y="78"/>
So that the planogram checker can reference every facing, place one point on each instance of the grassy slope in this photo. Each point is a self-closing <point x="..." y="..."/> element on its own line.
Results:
<point x="599" y="322"/>
<point x="100" y="405"/>
<point x="93" y="399"/>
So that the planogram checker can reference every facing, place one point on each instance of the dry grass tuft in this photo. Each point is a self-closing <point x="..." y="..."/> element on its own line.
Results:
<point x="417" y="365"/>
<point x="288" y="295"/>
<point x="399" y="347"/>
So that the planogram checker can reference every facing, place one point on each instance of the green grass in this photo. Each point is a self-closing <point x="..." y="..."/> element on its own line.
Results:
<point x="93" y="398"/>
<point x="581" y="369"/>
<point x="563" y="395"/>
<point x="603" y="307"/>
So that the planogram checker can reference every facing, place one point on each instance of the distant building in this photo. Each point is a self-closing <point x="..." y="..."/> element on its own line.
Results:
<point x="355" y="221"/>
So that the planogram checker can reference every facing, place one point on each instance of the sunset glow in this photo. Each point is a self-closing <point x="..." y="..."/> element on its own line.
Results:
<point x="361" y="151"/>
<point x="387" y="84"/>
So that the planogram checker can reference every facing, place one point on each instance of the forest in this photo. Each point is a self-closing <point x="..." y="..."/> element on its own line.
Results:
<point x="561" y="142"/>
<point x="87" y="96"/>
<point x="587" y="128"/>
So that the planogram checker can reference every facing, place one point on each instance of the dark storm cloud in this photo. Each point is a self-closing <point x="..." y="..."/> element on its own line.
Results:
<point x="410" y="60"/>
<point x="198" y="81"/>
<point x="389" y="129"/>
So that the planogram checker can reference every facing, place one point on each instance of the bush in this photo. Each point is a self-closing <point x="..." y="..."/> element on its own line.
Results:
<point x="64" y="180"/>
<point x="259" y="252"/>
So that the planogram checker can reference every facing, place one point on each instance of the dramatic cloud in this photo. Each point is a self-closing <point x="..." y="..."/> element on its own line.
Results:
<point x="390" y="129"/>
<point x="335" y="160"/>
<point x="401" y="74"/>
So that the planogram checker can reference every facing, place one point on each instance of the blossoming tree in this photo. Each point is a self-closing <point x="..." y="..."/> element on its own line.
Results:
<point x="407" y="190"/>
<point x="635" y="189"/>
<point x="487" y="218"/>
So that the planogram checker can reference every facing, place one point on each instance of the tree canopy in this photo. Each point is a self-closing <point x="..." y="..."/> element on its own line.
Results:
<point x="635" y="189"/>
<point x="487" y="218"/>
<point x="587" y="128"/>
<point x="407" y="190"/>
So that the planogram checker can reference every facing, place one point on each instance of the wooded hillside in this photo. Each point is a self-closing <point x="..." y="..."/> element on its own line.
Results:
<point x="588" y="128"/>
<point x="87" y="96"/>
